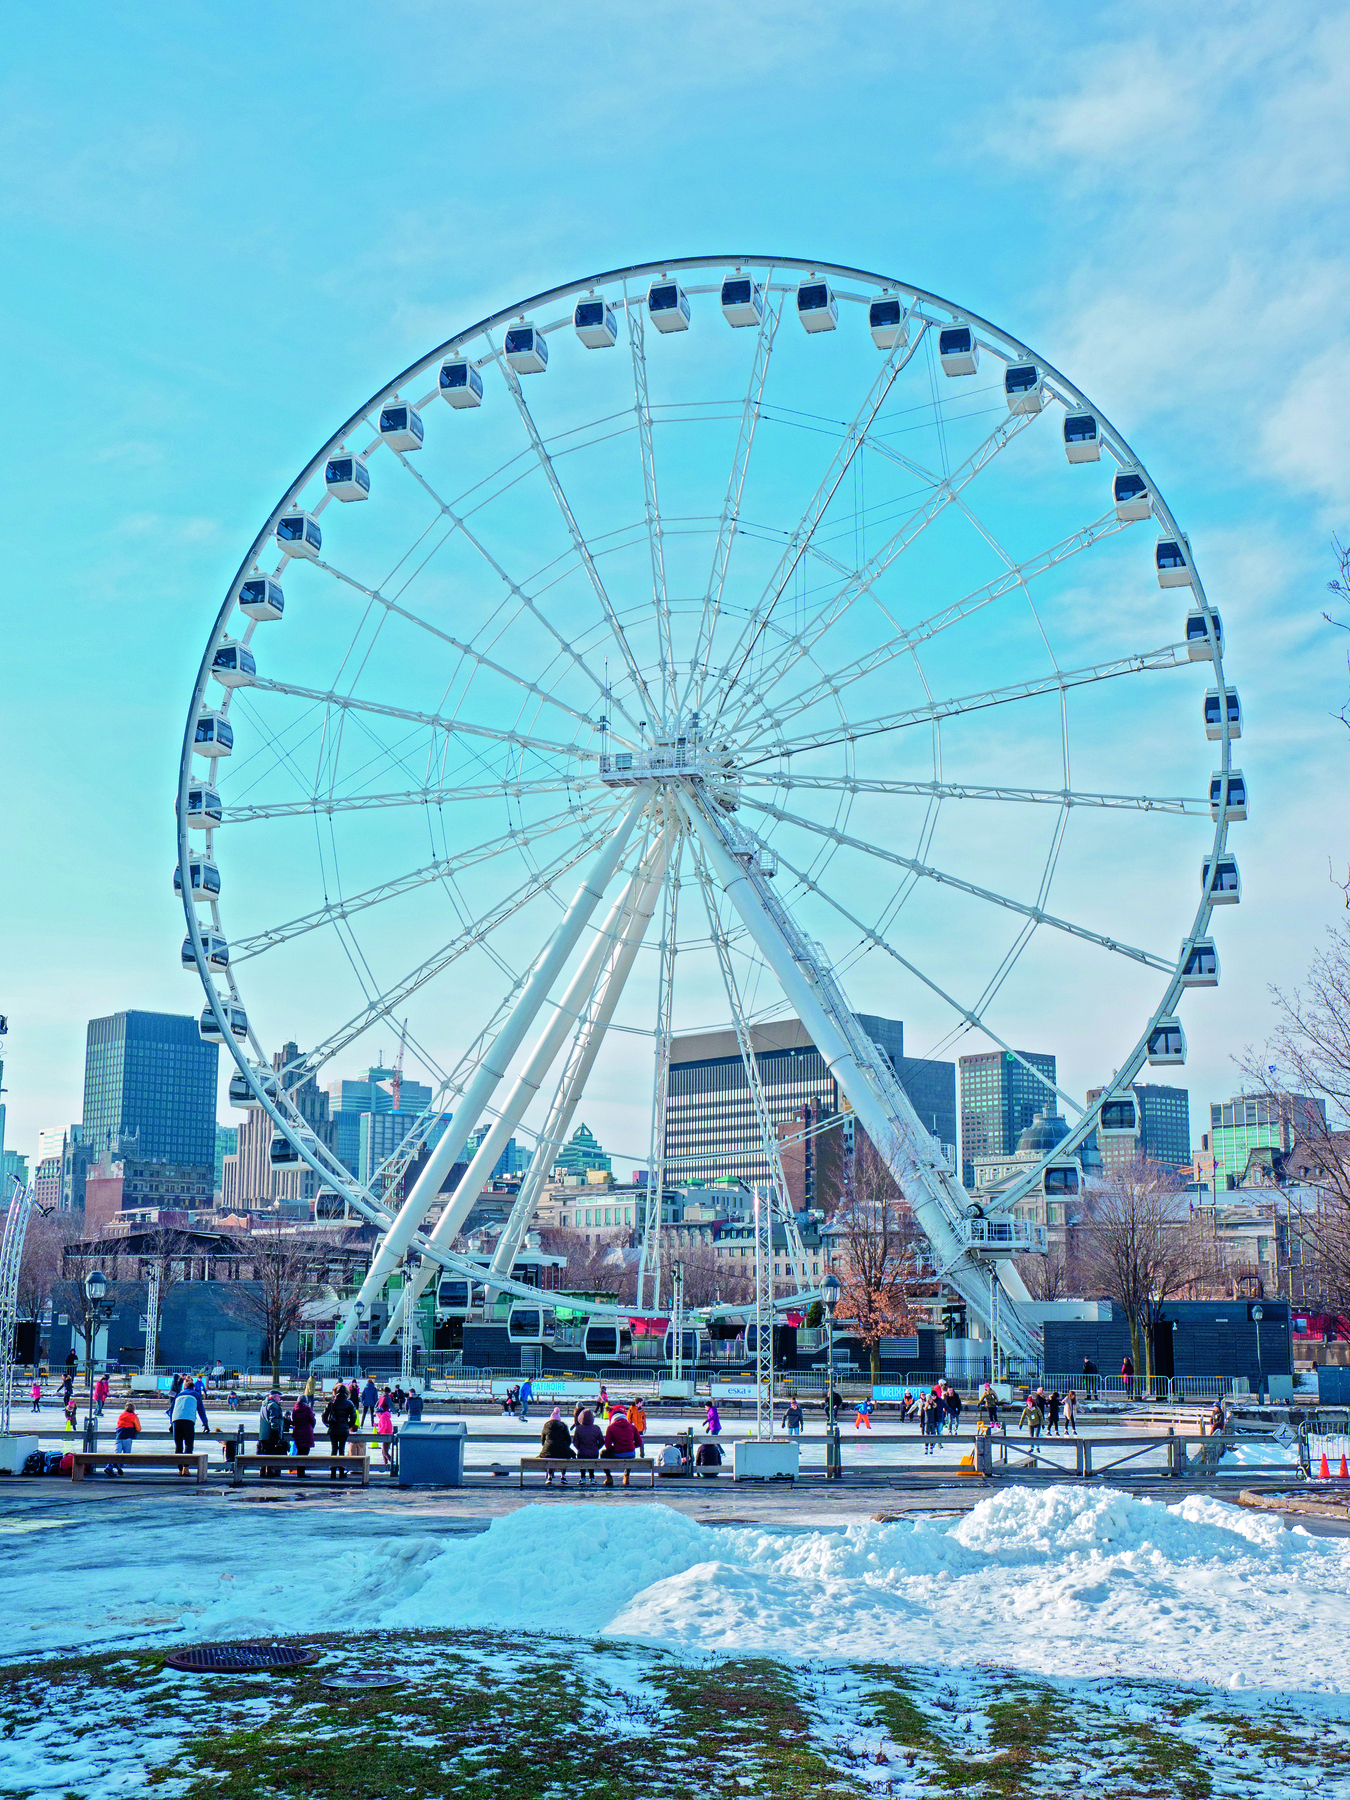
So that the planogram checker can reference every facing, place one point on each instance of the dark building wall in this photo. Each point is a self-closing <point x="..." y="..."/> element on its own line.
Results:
<point x="1212" y="1339"/>
<point x="200" y="1322"/>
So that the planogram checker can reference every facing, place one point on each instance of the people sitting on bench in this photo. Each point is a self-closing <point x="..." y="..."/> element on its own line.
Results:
<point x="709" y="1458"/>
<point x="620" y="1444"/>
<point x="554" y="1441"/>
<point x="587" y="1440"/>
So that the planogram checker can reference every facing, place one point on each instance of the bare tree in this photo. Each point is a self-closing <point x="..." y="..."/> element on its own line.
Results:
<point x="1309" y="1059"/>
<point x="599" y="1267"/>
<point x="1139" y="1246"/>
<point x="288" y="1271"/>
<point x="882" y="1253"/>
<point x="710" y="1279"/>
<point x="1046" y="1277"/>
<point x="43" y="1259"/>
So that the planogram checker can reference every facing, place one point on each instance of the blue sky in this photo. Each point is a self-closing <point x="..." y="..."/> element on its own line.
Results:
<point x="225" y="229"/>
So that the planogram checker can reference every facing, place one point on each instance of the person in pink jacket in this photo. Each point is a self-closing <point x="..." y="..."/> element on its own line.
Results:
<point x="384" y="1430"/>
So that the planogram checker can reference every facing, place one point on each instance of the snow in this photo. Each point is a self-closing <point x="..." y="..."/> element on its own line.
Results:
<point x="1055" y="1581"/>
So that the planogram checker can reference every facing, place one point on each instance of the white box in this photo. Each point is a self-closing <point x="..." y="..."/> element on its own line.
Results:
<point x="14" y="1453"/>
<point x="764" y="1459"/>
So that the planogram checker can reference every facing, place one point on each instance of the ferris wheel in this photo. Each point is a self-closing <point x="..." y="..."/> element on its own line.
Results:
<point x="711" y="637"/>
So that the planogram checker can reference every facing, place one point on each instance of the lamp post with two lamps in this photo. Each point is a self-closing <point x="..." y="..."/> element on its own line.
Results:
<point x="830" y="1289"/>
<point x="98" y="1311"/>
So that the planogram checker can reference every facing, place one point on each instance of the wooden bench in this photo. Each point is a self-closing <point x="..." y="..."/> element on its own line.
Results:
<point x="287" y="1463"/>
<point x="85" y="1460"/>
<point x="600" y="1465"/>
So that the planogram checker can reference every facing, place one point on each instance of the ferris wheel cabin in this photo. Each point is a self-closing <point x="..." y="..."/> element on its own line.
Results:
<point x="203" y="808"/>
<point x="958" y="352"/>
<point x="401" y="426"/>
<point x="817" y="307"/>
<point x="742" y="301"/>
<point x="233" y="664"/>
<point x="347" y="478"/>
<point x="215" y="948"/>
<point x="1173" y="563"/>
<point x="1130" y="492"/>
<point x="1022" y="388"/>
<point x="689" y="1342"/>
<point x="1199" y="647"/>
<point x="298" y="534"/>
<point x="595" y="324"/>
<point x="608" y="1342"/>
<point x="887" y="323"/>
<point x="526" y="349"/>
<point x="668" y="306"/>
<point x="1236" y="802"/>
<point x="1201" y="967"/>
<point x="452" y="1297"/>
<point x="527" y="1324"/>
<point x="1082" y="440"/>
<point x="283" y="1153"/>
<point x="203" y="878"/>
<point x="214" y="735"/>
<point x="1167" y="1043"/>
<point x="1060" y="1179"/>
<point x="208" y="1026"/>
<point x="460" y="383"/>
<point x="261" y="599"/>
<point x="1215" y="710"/>
<point x="242" y="1094"/>
<point x="1119" y="1117"/>
<point x="1227" y="888"/>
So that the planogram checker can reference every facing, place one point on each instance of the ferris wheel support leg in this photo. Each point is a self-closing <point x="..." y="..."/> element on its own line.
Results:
<point x="891" y="1123"/>
<point x="493" y="1067"/>
<point x="568" y="1012"/>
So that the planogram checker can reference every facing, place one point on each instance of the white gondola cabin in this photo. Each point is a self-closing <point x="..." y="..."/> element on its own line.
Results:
<point x="1200" y="964"/>
<point x="1198" y="646"/>
<point x="887" y="323"/>
<point x="1236" y="806"/>
<point x="1227" y="889"/>
<point x="742" y="300"/>
<point x="688" y="1346"/>
<point x="298" y="534"/>
<point x="526" y="349"/>
<point x="530" y="1324"/>
<point x="214" y="735"/>
<point x="1119" y="1117"/>
<point x="261" y="599"/>
<point x="209" y="1029"/>
<point x="817" y="307"/>
<point x="242" y="1094"/>
<point x="1167" y="1043"/>
<point x="1060" y="1179"/>
<point x="607" y="1341"/>
<point x="958" y="352"/>
<point x="203" y="808"/>
<point x="595" y="323"/>
<point x="233" y="664"/>
<point x="1215" y="708"/>
<point x="203" y="878"/>
<point x="215" y="948"/>
<point x="1172" y="560"/>
<point x="346" y="477"/>
<point x="283" y="1153"/>
<point x="401" y="426"/>
<point x="1130" y="492"/>
<point x="461" y="385"/>
<point x="668" y="306"/>
<point x="1082" y="439"/>
<point x="452" y="1296"/>
<point x="1022" y="388"/>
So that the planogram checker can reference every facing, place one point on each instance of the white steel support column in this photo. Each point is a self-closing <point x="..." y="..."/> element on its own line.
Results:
<point x="870" y="1085"/>
<point x="581" y="1059"/>
<point x="570" y="1009"/>
<point x="649" y="1256"/>
<point x="491" y="1070"/>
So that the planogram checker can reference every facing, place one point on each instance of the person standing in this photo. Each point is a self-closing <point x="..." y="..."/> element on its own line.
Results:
<point x="1033" y="1418"/>
<point x="183" y="1420"/>
<point x="526" y="1395"/>
<point x="1127" y="1374"/>
<point x="369" y="1400"/>
<point x="338" y="1417"/>
<point x="1052" y="1414"/>
<point x="302" y="1431"/>
<point x="271" y="1430"/>
<point x="414" y="1407"/>
<point x="1071" y="1413"/>
<point x="637" y="1418"/>
<point x="102" y="1387"/>
<point x="354" y="1395"/>
<point x="312" y="1388"/>
<point x="792" y="1418"/>
<point x="36" y="1392"/>
<point x="384" y="1429"/>
<point x="1089" y="1371"/>
<point x="953" y="1410"/>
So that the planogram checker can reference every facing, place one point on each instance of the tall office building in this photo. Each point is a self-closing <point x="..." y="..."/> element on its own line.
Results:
<point x="1250" y="1122"/>
<point x="349" y="1101"/>
<point x="1000" y="1097"/>
<point x="514" y="1158"/>
<point x="581" y="1153"/>
<point x="383" y="1132"/>
<point x="711" y="1132"/>
<point x="150" y="1089"/>
<point x="1163" y="1132"/>
<point x="248" y="1180"/>
<point x="227" y="1143"/>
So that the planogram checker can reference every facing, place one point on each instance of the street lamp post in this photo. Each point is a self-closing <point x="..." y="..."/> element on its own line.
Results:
<point x="96" y="1312"/>
<point x="830" y="1290"/>
<point x="1259" y="1313"/>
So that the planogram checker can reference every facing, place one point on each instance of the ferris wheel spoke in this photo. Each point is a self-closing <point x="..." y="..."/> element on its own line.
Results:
<point x="807" y="526"/>
<point x="442" y="868"/>
<point x="1170" y="656"/>
<point x="1177" y="804"/>
<point x="350" y="703"/>
<point x="731" y="506"/>
<point x="944" y="879"/>
<point x="839" y="603"/>
<point x="972" y="1017"/>
<point x="461" y="526"/>
<point x="439" y="795"/>
<point x="651" y="500"/>
<point x="906" y="638"/>
<point x="579" y="543"/>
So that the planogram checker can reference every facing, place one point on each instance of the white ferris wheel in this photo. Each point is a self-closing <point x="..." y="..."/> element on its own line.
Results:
<point x="717" y="636"/>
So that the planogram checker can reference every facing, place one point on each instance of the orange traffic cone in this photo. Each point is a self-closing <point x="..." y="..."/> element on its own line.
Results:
<point x="1324" y="1473"/>
<point x="1344" y="1472"/>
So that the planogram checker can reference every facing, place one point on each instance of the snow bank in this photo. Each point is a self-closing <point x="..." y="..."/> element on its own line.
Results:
<point x="1057" y="1581"/>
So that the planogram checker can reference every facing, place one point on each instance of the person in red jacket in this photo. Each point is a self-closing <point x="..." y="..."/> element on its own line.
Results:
<point x="620" y="1444"/>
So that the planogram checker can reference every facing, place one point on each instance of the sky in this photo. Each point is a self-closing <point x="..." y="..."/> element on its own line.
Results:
<point x="225" y="229"/>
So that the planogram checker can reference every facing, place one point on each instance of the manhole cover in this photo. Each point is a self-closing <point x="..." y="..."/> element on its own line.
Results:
<point x="363" y="1678"/>
<point x="240" y="1659"/>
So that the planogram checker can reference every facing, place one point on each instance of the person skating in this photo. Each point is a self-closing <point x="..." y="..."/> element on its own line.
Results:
<point x="526" y="1395"/>
<point x="712" y="1420"/>
<point x="128" y="1430"/>
<point x="637" y="1418"/>
<point x="339" y="1416"/>
<point x="183" y="1420"/>
<point x="555" y="1443"/>
<point x="302" y="1432"/>
<point x="792" y="1418"/>
<point x="620" y="1444"/>
<point x="1071" y="1413"/>
<point x="102" y="1387"/>
<point x="370" y="1399"/>
<point x="1033" y="1418"/>
<point x="414" y="1407"/>
<point x="354" y="1395"/>
<point x="863" y="1414"/>
<point x="588" y="1441"/>
<point x="35" y="1393"/>
<point x="384" y="1430"/>
<point x="953" y="1410"/>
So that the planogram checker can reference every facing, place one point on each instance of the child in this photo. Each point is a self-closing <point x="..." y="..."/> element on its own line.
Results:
<point x="863" y="1415"/>
<point x="36" y="1393"/>
<point x="384" y="1429"/>
<point x="128" y="1430"/>
<point x="233" y="1401"/>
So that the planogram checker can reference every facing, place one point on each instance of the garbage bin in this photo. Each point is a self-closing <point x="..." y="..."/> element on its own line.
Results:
<point x="431" y="1453"/>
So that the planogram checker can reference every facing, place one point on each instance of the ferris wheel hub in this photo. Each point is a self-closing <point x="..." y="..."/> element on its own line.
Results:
<point x="676" y="756"/>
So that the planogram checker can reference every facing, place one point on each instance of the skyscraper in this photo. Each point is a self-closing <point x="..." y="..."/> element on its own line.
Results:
<point x="349" y="1100"/>
<point x="1164" y="1127"/>
<point x="1250" y="1122"/>
<point x="1000" y="1096"/>
<point x="150" y="1089"/>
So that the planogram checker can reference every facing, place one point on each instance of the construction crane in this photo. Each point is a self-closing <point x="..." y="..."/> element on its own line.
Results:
<point x="396" y="1085"/>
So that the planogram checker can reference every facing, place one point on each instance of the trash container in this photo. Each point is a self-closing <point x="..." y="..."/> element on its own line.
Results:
<point x="431" y="1453"/>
